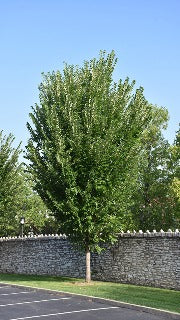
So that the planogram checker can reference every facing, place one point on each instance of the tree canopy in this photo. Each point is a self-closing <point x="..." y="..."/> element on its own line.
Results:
<point x="86" y="135"/>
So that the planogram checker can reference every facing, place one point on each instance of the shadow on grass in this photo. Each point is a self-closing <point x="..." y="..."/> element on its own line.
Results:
<point x="30" y="278"/>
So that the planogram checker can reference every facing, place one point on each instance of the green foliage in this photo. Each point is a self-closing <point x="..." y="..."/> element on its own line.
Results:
<point x="10" y="183"/>
<point x="156" y="203"/>
<point x="85" y="140"/>
<point x="37" y="218"/>
<point x="174" y="167"/>
<point x="17" y="197"/>
<point x="174" y="162"/>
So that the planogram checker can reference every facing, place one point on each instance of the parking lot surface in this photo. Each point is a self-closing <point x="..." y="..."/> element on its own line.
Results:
<point x="25" y="303"/>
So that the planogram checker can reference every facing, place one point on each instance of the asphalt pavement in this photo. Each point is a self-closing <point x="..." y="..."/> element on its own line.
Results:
<point x="22" y="303"/>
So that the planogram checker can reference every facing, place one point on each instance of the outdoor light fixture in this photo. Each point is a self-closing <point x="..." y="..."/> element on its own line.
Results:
<point x="22" y="222"/>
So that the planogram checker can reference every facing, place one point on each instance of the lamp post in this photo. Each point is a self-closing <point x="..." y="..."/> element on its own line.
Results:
<point x="22" y="222"/>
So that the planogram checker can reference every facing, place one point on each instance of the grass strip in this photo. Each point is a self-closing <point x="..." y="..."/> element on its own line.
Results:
<point x="145" y="296"/>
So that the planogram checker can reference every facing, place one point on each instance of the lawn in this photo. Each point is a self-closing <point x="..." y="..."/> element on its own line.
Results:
<point x="146" y="296"/>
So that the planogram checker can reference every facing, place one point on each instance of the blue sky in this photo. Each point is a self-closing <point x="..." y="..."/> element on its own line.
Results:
<point x="38" y="35"/>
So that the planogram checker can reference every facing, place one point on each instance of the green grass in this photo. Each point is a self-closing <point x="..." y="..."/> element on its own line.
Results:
<point x="146" y="296"/>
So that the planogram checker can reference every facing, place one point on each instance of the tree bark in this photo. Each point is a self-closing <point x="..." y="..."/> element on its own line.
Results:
<point x="88" y="265"/>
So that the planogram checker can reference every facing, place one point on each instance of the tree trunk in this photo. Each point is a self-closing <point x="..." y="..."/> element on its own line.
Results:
<point x="88" y="265"/>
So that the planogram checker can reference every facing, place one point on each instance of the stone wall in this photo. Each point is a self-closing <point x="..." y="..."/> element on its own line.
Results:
<point x="41" y="255"/>
<point x="150" y="259"/>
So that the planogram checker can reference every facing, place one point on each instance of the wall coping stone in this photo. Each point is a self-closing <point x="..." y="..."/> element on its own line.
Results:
<point x="127" y="234"/>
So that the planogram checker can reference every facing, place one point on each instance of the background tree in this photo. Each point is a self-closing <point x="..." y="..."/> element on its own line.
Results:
<point x="10" y="183"/>
<point x="85" y="139"/>
<point x="38" y="219"/>
<point x="174" y="168"/>
<point x="155" y="202"/>
<point x="17" y="197"/>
